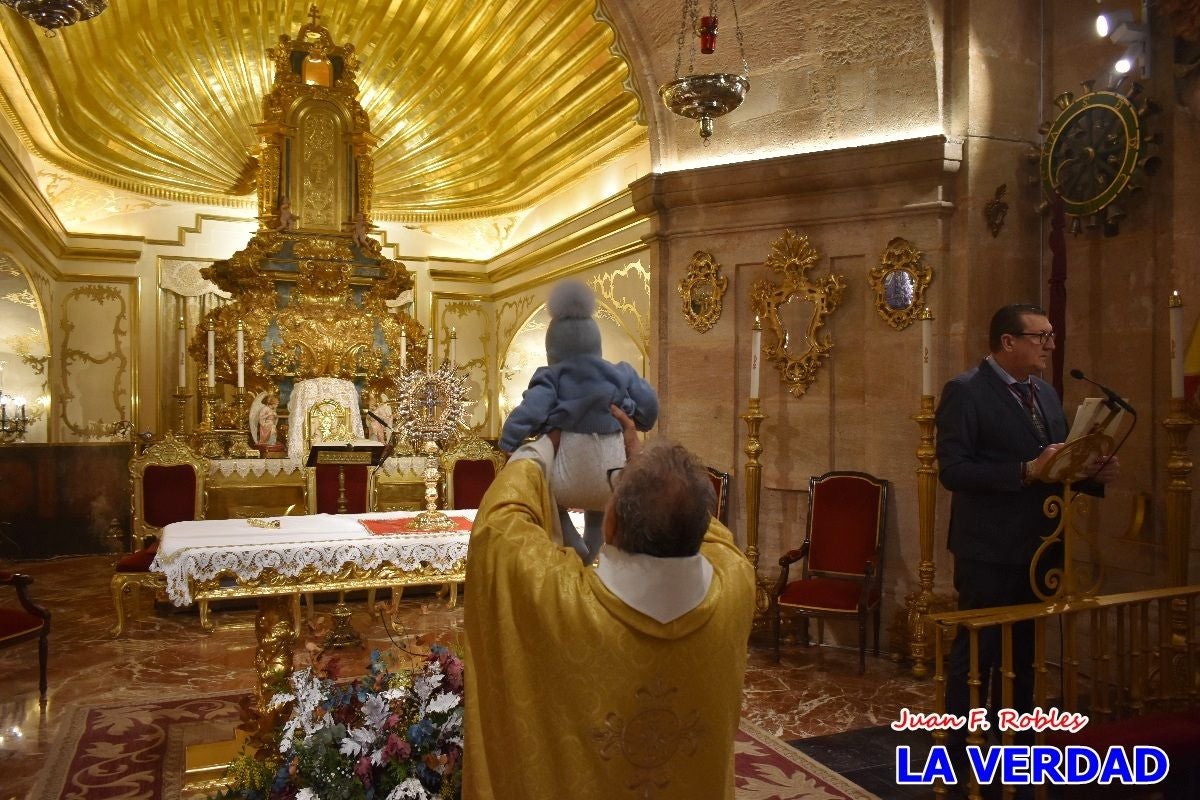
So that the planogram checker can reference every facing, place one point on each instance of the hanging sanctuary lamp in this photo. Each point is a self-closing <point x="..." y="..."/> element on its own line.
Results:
<point x="705" y="96"/>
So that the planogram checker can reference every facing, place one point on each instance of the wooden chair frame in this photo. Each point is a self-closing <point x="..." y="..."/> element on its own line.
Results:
<point x="169" y="452"/>
<point x="470" y="449"/>
<point x="869" y="580"/>
<point x="720" y="482"/>
<point x="21" y="582"/>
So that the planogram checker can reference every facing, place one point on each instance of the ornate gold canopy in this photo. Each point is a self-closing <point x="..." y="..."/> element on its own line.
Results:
<point x="311" y="290"/>
<point x="480" y="108"/>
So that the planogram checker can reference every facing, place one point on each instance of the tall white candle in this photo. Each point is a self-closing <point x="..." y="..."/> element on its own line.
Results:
<point x="241" y="355"/>
<point x="429" y="352"/>
<point x="926" y="349"/>
<point x="755" y="348"/>
<point x="182" y="354"/>
<point x="1175" y="313"/>
<point x="403" y="350"/>
<point x="453" y="347"/>
<point x="212" y="356"/>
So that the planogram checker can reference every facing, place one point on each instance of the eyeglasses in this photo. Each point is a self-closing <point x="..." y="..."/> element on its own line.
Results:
<point x="614" y="477"/>
<point x="1041" y="336"/>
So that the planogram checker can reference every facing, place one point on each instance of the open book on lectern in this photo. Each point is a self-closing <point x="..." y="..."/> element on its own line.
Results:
<point x="1095" y="415"/>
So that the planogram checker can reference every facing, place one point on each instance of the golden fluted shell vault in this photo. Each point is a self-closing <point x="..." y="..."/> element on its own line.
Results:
<point x="478" y="108"/>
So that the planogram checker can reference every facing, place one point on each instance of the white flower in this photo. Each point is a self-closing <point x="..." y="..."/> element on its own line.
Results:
<point x="375" y="712"/>
<point x="357" y="742"/>
<point x="411" y="789"/>
<point x="394" y="694"/>
<point x="442" y="702"/>
<point x="307" y="794"/>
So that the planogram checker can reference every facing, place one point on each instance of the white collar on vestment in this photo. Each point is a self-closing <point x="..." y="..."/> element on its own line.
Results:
<point x="663" y="589"/>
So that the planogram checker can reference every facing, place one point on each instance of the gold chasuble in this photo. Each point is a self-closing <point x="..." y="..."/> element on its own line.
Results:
<point x="570" y="693"/>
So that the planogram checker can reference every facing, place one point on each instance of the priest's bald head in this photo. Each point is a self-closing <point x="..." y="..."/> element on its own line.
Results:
<point x="661" y="503"/>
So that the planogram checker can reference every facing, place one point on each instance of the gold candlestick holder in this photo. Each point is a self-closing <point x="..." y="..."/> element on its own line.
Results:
<point x="182" y="395"/>
<point x="753" y="472"/>
<point x="239" y="447"/>
<point x="922" y="602"/>
<point x="431" y="519"/>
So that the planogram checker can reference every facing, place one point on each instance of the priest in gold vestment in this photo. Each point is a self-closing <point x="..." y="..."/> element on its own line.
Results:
<point x="621" y="681"/>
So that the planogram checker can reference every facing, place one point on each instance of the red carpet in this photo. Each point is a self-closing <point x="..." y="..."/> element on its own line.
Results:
<point x="135" y="752"/>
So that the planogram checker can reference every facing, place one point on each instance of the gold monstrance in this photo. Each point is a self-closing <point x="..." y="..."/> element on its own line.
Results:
<point x="433" y="406"/>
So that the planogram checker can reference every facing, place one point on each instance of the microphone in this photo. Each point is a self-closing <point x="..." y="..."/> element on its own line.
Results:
<point x="1112" y="396"/>
<point x="376" y="417"/>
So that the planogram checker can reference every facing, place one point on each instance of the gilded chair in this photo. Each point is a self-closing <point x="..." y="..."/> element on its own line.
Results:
<point x="470" y="469"/>
<point x="841" y="558"/>
<point x="720" y="484"/>
<point x="168" y="486"/>
<point x="29" y="621"/>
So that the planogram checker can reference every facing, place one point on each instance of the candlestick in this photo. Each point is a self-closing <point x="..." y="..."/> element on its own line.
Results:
<point x="212" y="356"/>
<point x="241" y="355"/>
<point x="403" y="349"/>
<point x="429" y="351"/>
<point x="453" y="346"/>
<point x="926" y="347"/>
<point x="1175" y="314"/>
<point x="755" y="348"/>
<point x="182" y="353"/>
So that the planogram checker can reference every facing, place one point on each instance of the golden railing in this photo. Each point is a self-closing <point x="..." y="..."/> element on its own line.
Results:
<point x="1122" y="655"/>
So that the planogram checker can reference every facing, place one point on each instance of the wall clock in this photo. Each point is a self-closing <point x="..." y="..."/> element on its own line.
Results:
<point x="1094" y="152"/>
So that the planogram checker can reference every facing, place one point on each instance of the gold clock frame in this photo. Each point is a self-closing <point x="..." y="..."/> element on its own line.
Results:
<point x="702" y="291"/>
<point x="900" y="257"/>
<point x="792" y="257"/>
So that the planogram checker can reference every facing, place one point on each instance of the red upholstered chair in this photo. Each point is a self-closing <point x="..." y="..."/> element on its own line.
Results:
<point x="23" y="624"/>
<point x="720" y="482"/>
<point x="168" y="486"/>
<point x="470" y="469"/>
<point x="841" y="558"/>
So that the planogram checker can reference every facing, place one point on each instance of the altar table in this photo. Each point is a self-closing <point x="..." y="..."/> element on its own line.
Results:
<point x="232" y="558"/>
<point x="222" y="559"/>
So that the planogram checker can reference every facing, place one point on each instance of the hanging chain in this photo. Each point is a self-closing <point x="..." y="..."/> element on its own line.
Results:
<point x="737" y="25"/>
<point x="690" y="13"/>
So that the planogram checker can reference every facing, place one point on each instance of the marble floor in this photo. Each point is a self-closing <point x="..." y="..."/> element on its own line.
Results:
<point x="811" y="692"/>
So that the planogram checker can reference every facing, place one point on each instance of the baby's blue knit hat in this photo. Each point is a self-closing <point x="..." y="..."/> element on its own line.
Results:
<point x="572" y="331"/>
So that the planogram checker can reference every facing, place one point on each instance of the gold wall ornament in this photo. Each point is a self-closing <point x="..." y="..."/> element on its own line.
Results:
<point x="798" y="346"/>
<point x="899" y="282"/>
<point x="1095" y="152"/>
<point x="995" y="210"/>
<point x="702" y="290"/>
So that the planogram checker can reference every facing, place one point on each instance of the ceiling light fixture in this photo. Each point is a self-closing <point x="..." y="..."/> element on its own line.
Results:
<point x="55" y="14"/>
<point x="705" y="96"/>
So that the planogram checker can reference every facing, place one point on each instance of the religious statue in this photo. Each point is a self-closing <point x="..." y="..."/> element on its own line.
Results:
<point x="287" y="220"/>
<point x="360" y="232"/>
<point x="380" y="419"/>
<point x="263" y="417"/>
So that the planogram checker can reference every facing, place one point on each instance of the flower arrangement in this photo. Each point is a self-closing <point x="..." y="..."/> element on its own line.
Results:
<point x="385" y="736"/>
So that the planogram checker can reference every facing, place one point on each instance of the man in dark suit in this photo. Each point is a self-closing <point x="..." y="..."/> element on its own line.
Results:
<point x="998" y="426"/>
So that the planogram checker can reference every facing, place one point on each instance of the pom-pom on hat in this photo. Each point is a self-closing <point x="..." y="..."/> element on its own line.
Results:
<point x="572" y="331"/>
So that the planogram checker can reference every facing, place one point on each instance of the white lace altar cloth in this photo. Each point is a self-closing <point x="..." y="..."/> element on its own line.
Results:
<point x="308" y="393"/>
<point x="203" y="549"/>
<point x="411" y="466"/>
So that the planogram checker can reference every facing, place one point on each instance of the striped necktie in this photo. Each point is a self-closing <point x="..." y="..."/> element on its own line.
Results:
<point x="1028" y="395"/>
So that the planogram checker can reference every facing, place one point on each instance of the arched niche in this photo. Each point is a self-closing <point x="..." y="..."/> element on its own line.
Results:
<point x="24" y="350"/>
<point x="526" y="351"/>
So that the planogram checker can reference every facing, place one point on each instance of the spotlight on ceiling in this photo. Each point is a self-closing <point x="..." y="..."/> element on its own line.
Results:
<point x="1122" y="66"/>
<point x="55" y="14"/>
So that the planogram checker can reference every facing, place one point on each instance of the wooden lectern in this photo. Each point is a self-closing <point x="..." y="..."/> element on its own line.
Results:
<point x="362" y="453"/>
